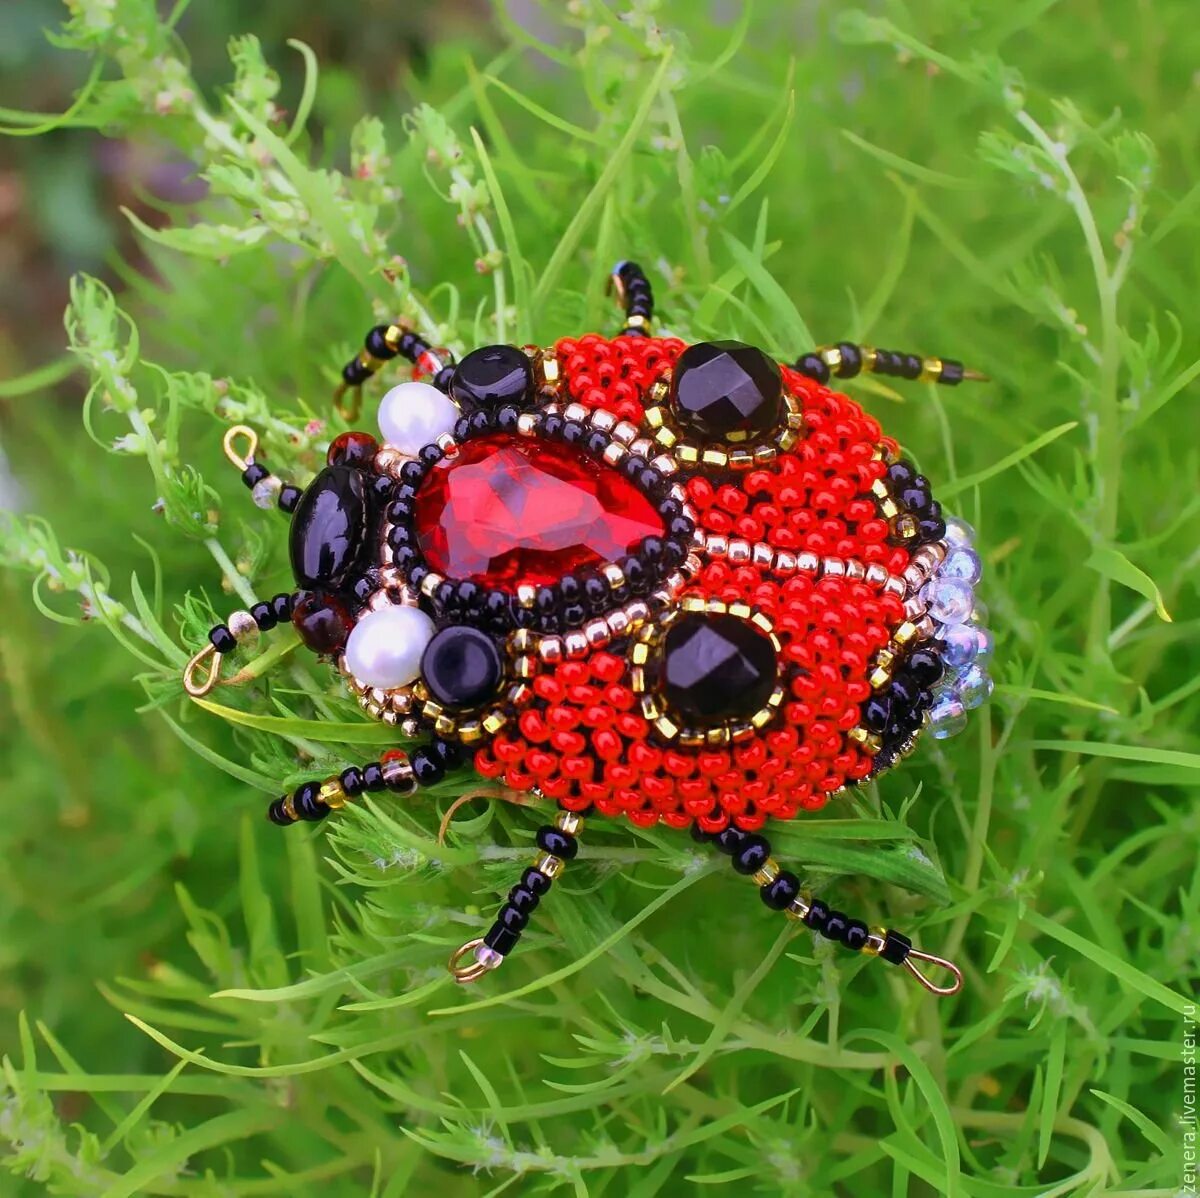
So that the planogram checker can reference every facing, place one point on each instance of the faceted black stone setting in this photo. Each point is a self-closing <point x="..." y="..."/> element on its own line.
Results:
<point x="726" y="391"/>
<point x="461" y="667"/>
<point x="716" y="667"/>
<point x="575" y="598"/>
<point x="492" y="376"/>
<point x="329" y="529"/>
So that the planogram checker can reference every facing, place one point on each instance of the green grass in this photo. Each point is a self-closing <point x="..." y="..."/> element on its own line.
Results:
<point x="211" y="1008"/>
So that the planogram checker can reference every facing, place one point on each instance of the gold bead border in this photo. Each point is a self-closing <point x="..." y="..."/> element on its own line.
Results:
<point x="658" y="419"/>
<point x="646" y="642"/>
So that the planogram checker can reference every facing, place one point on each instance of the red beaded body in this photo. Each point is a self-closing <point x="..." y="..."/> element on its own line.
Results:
<point x="583" y="740"/>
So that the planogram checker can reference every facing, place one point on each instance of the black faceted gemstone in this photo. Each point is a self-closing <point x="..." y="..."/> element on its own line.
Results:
<point x="491" y="376"/>
<point x="461" y="666"/>
<point x="716" y="667"/>
<point x="329" y="528"/>
<point x="726" y="391"/>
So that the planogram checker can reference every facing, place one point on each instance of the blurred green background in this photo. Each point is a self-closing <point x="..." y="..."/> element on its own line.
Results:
<point x="1011" y="184"/>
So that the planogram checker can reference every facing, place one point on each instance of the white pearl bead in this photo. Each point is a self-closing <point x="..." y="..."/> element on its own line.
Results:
<point x="384" y="648"/>
<point x="414" y="415"/>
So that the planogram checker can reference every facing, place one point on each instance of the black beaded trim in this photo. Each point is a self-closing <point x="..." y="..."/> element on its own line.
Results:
<point x="912" y="494"/>
<point x="377" y="350"/>
<point x="637" y="298"/>
<point x="896" y="711"/>
<point x="266" y="616"/>
<point x="573" y="599"/>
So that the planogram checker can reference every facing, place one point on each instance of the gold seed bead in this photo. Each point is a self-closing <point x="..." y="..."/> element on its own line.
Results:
<point x="332" y="793"/>
<point x="569" y="822"/>
<point x="550" y="866"/>
<point x="798" y="908"/>
<point x="289" y="807"/>
<point x="768" y="873"/>
<point x="876" y="938"/>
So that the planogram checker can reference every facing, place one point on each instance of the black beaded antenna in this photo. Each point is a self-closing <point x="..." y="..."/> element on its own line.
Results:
<point x="383" y="343"/>
<point x="845" y="360"/>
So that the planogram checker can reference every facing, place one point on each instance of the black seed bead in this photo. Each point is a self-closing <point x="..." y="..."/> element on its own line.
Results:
<point x="778" y="895"/>
<point x="405" y="558"/>
<point x="900" y="474"/>
<point x="573" y="615"/>
<point x="836" y="923"/>
<point x="674" y="553"/>
<point x="876" y="712"/>
<point x="373" y="777"/>
<point x="814" y="367"/>
<point x="570" y="588"/>
<point x="352" y="781"/>
<point x="399" y="535"/>
<point x="444" y="595"/>
<point x="851" y="362"/>
<point x="924" y="666"/>
<point x="535" y="880"/>
<point x="307" y="802"/>
<point x="496" y="606"/>
<point x="507" y="418"/>
<point x="289" y="497"/>
<point x="481" y="422"/>
<point x="512" y="918"/>
<point x="400" y="511"/>
<point x="263" y="616"/>
<point x="855" y="935"/>
<point x="596" y="443"/>
<point x="412" y="473"/>
<point x="818" y="912"/>
<point x="416" y="574"/>
<point x="680" y="529"/>
<point x="354" y="374"/>
<point x="915" y="497"/>
<point x="638" y="307"/>
<point x="653" y="482"/>
<point x="462" y="428"/>
<point x="730" y="839"/>
<point x="573" y="432"/>
<point x="885" y="362"/>
<point x="254" y="473"/>
<point x="501" y="939"/>
<point x="430" y="455"/>
<point x="443" y="378"/>
<point x="910" y="366"/>
<point x="668" y="509"/>
<point x="282" y="605"/>
<point x="651" y="550"/>
<point x="632" y="465"/>
<point x="904" y="693"/>
<point x="636" y="575"/>
<point x="277" y="813"/>
<point x="896" y="947"/>
<point x="408" y="344"/>
<point x="469" y="595"/>
<point x="426" y="767"/>
<point x="752" y="855"/>
<point x="933" y="510"/>
<point x="930" y="529"/>
<point x="523" y="899"/>
<point x="545" y="601"/>
<point x="222" y="640"/>
<point x="552" y="426"/>
<point x="404" y="493"/>
<point x="556" y="842"/>
<point x="447" y="752"/>
<point x="952" y="373"/>
<point x="598" y="593"/>
<point x="377" y="344"/>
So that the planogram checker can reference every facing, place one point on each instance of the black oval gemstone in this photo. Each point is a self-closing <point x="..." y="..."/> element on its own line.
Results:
<point x="329" y="528"/>
<point x="726" y="391"/>
<point x="716" y="667"/>
<point x="461" y="666"/>
<point x="491" y="376"/>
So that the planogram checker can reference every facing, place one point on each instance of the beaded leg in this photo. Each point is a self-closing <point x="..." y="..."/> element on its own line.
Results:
<point x="383" y="343"/>
<point x="845" y="360"/>
<point x="780" y="890"/>
<point x="632" y="289"/>
<point x="397" y="771"/>
<point x="557" y="844"/>
<point x="265" y="488"/>
<point x="241" y="628"/>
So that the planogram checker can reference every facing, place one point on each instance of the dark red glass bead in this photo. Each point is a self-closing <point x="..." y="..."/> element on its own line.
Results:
<point x="352" y="449"/>
<point x="323" y="622"/>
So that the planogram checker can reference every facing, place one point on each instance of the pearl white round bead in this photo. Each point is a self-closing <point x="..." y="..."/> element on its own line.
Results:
<point x="414" y="415"/>
<point x="384" y="648"/>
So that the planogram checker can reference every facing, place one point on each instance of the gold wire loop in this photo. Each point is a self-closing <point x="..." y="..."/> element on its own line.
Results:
<point x="199" y="689"/>
<point x="229" y="444"/>
<point x="349" y="408"/>
<point x="465" y="974"/>
<point x="942" y="991"/>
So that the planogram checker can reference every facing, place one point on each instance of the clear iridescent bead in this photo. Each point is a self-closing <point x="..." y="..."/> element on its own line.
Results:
<point x="265" y="492"/>
<point x="958" y="532"/>
<point x="960" y="644"/>
<point x="949" y="600"/>
<point x="488" y="957"/>
<point x="962" y="563"/>
<point x="974" y="688"/>
<point x="987" y="644"/>
<point x="947" y="717"/>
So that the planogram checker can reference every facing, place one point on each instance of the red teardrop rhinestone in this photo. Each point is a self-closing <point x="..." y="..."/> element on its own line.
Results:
<point x="512" y="509"/>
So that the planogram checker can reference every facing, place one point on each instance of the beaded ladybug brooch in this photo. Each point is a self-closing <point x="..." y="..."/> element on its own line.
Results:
<point x="637" y="578"/>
